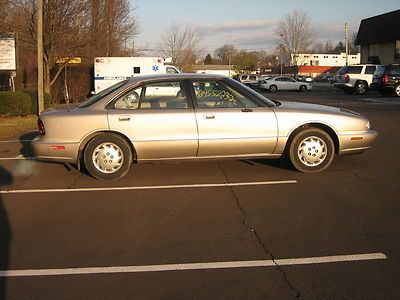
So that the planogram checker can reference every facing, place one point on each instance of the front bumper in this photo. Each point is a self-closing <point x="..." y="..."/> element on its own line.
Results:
<point x="53" y="151"/>
<point x="356" y="142"/>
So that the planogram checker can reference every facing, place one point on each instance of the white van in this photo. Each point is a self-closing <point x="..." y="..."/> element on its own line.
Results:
<point x="110" y="70"/>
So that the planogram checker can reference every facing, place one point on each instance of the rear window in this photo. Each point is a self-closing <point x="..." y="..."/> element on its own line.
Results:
<point x="102" y="94"/>
<point x="379" y="71"/>
<point x="342" y="70"/>
<point x="370" y="69"/>
<point x="394" y="70"/>
<point x="354" y="69"/>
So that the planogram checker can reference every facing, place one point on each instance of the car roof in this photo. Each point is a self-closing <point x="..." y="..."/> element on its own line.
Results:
<point x="180" y="76"/>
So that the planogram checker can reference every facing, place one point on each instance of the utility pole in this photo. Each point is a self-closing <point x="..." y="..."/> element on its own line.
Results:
<point x="346" y="29"/>
<point x="40" y="100"/>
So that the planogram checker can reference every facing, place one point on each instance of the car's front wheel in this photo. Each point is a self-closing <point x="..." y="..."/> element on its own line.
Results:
<point x="107" y="157"/>
<point x="311" y="150"/>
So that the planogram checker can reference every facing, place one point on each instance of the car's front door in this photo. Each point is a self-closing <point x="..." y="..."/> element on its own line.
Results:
<point x="292" y="84"/>
<point x="158" y="119"/>
<point x="231" y="124"/>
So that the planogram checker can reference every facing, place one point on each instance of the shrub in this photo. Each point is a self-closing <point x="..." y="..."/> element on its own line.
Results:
<point x="15" y="103"/>
<point x="33" y="95"/>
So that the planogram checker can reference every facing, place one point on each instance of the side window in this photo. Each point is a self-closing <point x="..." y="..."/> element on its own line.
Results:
<point x="355" y="69"/>
<point x="252" y="78"/>
<point x="129" y="100"/>
<point x="370" y="69"/>
<point x="163" y="95"/>
<point x="171" y="70"/>
<point x="244" y="77"/>
<point x="216" y="94"/>
<point x="136" y="70"/>
<point x="280" y="79"/>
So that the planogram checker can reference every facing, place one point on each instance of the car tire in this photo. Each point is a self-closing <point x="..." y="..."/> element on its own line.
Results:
<point x="397" y="90"/>
<point x="361" y="88"/>
<point x="311" y="150"/>
<point x="303" y="88"/>
<point x="273" y="88"/>
<point x="107" y="157"/>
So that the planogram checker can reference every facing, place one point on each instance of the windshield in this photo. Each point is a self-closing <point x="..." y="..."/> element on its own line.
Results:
<point x="102" y="94"/>
<point x="254" y="93"/>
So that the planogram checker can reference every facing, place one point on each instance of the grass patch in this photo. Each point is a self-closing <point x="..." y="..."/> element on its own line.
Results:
<point x="16" y="126"/>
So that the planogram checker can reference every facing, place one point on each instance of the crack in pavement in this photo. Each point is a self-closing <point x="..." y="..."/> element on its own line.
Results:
<point x="242" y="217"/>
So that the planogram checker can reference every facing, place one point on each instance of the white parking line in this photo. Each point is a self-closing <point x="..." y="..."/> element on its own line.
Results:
<point x="150" y="187"/>
<point x="195" y="266"/>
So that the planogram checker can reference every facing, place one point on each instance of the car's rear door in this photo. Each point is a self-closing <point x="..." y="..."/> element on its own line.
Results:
<point x="158" y="119"/>
<point x="231" y="123"/>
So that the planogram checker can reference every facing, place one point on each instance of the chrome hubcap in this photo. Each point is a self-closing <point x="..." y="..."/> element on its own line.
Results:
<point x="397" y="90"/>
<point x="361" y="89"/>
<point x="312" y="151"/>
<point x="107" y="158"/>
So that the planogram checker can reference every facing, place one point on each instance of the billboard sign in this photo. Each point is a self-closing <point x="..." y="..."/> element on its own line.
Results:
<point x="8" y="60"/>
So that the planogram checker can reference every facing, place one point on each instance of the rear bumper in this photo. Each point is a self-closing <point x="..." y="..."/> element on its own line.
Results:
<point x="53" y="151"/>
<point x="343" y="85"/>
<point x="356" y="142"/>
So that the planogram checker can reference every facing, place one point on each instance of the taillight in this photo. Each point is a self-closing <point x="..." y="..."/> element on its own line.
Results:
<point x="40" y="124"/>
<point x="346" y="77"/>
<point x="385" y="78"/>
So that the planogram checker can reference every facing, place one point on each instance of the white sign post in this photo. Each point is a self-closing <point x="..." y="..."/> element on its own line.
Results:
<point x="8" y="60"/>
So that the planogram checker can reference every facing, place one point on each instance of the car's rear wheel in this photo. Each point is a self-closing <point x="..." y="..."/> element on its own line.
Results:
<point x="273" y="88"/>
<point x="107" y="157"/>
<point x="311" y="150"/>
<point x="397" y="90"/>
<point x="361" y="87"/>
<point x="303" y="88"/>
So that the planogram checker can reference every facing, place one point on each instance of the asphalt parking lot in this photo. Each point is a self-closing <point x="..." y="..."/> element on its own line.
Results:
<point x="233" y="229"/>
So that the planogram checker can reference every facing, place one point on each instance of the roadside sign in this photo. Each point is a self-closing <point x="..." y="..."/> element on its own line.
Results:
<point x="69" y="60"/>
<point x="8" y="61"/>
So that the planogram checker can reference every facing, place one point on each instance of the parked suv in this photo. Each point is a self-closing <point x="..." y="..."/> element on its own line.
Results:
<point x="250" y="80"/>
<point x="355" y="78"/>
<point x="387" y="79"/>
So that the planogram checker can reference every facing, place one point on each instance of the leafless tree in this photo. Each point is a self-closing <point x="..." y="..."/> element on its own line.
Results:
<point x="295" y="34"/>
<point x="112" y="26"/>
<point x="84" y="28"/>
<point x="183" y="45"/>
<point x="4" y="13"/>
<point x="225" y="54"/>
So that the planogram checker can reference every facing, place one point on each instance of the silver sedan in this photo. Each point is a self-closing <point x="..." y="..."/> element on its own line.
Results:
<point x="195" y="116"/>
<point x="283" y="83"/>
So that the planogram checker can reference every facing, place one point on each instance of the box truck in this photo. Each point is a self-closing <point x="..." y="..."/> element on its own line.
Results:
<point x="110" y="70"/>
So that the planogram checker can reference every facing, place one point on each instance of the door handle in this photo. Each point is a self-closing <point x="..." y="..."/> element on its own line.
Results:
<point x="247" y="110"/>
<point x="124" y="118"/>
<point x="209" y="117"/>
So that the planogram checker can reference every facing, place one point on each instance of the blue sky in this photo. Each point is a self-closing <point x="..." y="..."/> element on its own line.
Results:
<point x="250" y="24"/>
